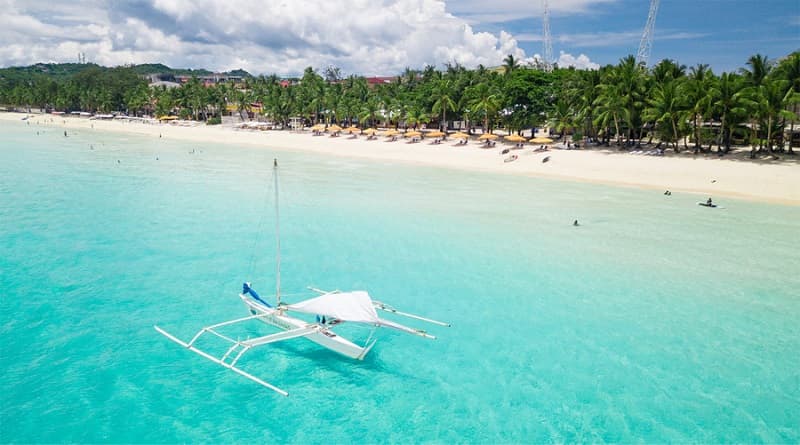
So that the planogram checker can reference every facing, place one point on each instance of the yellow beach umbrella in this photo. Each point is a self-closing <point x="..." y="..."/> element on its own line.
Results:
<point x="351" y="129"/>
<point x="334" y="128"/>
<point x="318" y="127"/>
<point x="370" y="131"/>
<point x="435" y="134"/>
<point x="391" y="132"/>
<point x="413" y="134"/>
<point x="541" y="141"/>
<point x="168" y="118"/>
<point x="460" y="135"/>
<point x="515" y="138"/>
<point x="487" y="136"/>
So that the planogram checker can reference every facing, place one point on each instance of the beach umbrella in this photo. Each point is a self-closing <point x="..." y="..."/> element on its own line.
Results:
<point x="334" y="128"/>
<point x="487" y="136"/>
<point x="318" y="127"/>
<point x="351" y="129"/>
<point x="370" y="131"/>
<point x="413" y="134"/>
<point x="541" y="141"/>
<point x="515" y="138"/>
<point x="391" y="132"/>
<point x="435" y="134"/>
<point x="460" y="135"/>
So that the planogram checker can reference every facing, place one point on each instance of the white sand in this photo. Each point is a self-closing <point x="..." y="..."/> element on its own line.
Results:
<point x="777" y="182"/>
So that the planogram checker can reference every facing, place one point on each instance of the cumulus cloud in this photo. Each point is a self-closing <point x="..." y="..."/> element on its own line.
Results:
<point x="281" y="36"/>
<point x="581" y="62"/>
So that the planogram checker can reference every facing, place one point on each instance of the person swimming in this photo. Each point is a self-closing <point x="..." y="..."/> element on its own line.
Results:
<point x="575" y="223"/>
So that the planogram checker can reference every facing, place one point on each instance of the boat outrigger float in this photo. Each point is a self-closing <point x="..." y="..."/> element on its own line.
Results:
<point x="332" y="309"/>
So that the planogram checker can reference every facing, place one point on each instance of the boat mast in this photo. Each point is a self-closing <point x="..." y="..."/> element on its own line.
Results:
<point x="277" y="236"/>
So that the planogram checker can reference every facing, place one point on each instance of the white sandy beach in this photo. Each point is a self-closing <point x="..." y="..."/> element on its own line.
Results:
<point x="774" y="182"/>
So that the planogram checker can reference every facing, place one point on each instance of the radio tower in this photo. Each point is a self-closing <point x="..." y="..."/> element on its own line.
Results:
<point x="547" y="41"/>
<point x="647" y="38"/>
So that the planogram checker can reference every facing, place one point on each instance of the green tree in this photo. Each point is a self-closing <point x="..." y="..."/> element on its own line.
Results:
<point x="666" y="108"/>
<point x="510" y="64"/>
<point x="484" y="101"/>
<point x="442" y="97"/>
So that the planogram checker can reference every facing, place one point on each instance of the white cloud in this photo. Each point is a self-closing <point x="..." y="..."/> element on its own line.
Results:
<point x="581" y="62"/>
<point x="284" y="37"/>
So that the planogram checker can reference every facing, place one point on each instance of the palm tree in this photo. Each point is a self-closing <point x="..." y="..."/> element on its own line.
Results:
<point x="415" y="116"/>
<point x="699" y="97"/>
<point x="666" y="109"/>
<point x="485" y="101"/>
<point x="369" y="110"/>
<point x="586" y="97"/>
<point x="789" y="70"/>
<point x="510" y="64"/>
<point x="442" y="101"/>
<point x="668" y="68"/>
<point x="768" y="102"/>
<point x="611" y="109"/>
<point x="760" y="67"/>
<point x="561" y="118"/>
<point x="727" y="100"/>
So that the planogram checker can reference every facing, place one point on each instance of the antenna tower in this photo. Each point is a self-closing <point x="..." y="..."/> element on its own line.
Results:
<point x="647" y="38"/>
<point x="547" y="41"/>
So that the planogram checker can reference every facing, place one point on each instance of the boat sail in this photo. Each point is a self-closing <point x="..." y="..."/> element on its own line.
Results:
<point x="331" y="308"/>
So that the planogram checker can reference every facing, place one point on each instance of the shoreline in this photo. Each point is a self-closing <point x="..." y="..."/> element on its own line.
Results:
<point x="761" y="181"/>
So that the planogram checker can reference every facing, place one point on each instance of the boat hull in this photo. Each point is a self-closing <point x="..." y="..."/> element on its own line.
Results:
<point x="325" y="337"/>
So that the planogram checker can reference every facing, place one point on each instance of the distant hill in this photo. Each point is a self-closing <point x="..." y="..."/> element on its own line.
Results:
<point x="160" y="68"/>
<point x="56" y="70"/>
<point x="64" y="70"/>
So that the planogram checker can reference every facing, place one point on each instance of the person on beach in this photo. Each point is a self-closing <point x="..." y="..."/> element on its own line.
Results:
<point x="575" y="223"/>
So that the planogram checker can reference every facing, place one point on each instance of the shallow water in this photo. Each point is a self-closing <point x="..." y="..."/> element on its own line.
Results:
<point x="655" y="320"/>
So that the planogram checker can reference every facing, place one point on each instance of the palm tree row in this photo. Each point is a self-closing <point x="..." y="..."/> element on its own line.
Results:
<point x="626" y="103"/>
<point x="623" y="104"/>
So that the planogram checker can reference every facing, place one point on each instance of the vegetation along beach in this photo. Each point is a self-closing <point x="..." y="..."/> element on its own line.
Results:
<point x="219" y="219"/>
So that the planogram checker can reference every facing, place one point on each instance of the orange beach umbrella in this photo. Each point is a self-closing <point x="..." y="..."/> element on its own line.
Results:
<point x="515" y="138"/>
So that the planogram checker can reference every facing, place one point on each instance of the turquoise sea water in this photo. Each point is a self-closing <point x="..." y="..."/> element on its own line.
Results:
<point x="656" y="320"/>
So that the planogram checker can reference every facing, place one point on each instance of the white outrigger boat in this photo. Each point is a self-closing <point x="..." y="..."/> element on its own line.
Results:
<point x="332" y="309"/>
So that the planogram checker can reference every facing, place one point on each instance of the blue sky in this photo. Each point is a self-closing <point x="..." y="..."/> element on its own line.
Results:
<point x="382" y="37"/>
<point x="721" y="33"/>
